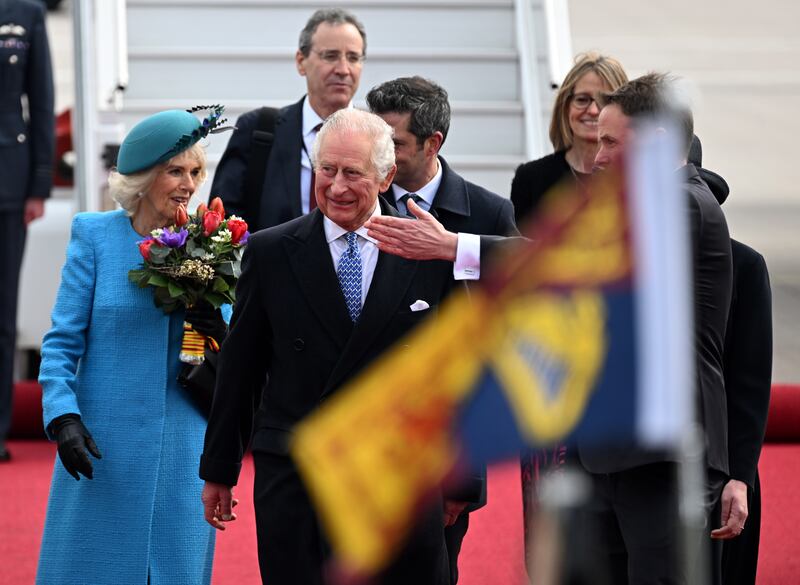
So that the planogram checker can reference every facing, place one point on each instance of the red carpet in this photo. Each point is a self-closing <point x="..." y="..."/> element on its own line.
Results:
<point x="492" y="551"/>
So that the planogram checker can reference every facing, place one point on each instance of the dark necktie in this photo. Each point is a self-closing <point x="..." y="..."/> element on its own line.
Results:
<point x="404" y="200"/>
<point x="349" y="273"/>
<point x="312" y="198"/>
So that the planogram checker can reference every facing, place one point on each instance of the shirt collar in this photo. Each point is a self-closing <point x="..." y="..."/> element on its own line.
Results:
<point x="428" y="192"/>
<point x="310" y="118"/>
<point x="334" y="231"/>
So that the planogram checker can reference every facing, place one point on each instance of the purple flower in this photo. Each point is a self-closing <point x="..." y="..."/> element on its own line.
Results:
<point x="173" y="239"/>
<point x="243" y="240"/>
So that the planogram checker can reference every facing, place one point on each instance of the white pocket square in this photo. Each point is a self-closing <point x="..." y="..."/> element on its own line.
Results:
<point x="419" y="305"/>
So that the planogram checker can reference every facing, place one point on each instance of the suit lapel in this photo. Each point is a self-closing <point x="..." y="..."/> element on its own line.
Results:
<point x="310" y="259"/>
<point x="451" y="197"/>
<point x="393" y="275"/>
<point x="288" y="139"/>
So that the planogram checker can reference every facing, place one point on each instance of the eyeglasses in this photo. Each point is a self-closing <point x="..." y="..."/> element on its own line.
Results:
<point x="583" y="100"/>
<point x="332" y="57"/>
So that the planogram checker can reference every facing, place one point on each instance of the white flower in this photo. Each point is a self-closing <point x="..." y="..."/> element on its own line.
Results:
<point x="156" y="233"/>
<point x="222" y="236"/>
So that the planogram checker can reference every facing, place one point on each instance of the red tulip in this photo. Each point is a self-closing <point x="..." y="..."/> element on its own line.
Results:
<point x="237" y="228"/>
<point x="144" y="248"/>
<point x="216" y="205"/>
<point x="181" y="217"/>
<point x="211" y="221"/>
<point x="201" y="210"/>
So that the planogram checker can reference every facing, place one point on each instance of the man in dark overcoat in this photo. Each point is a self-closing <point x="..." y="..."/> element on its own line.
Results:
<point x="265" y="172"/>
<point x="26" y="158"/>
<point x="317" y="302"/>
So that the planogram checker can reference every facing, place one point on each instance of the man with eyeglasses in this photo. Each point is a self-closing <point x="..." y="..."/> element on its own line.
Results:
<point x="265" y="173"/>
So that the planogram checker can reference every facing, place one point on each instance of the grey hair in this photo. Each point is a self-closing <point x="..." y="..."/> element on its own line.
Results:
<point x="359" y="122"/>
<point x="333" y="16"/>
<point x="128" y="190"/>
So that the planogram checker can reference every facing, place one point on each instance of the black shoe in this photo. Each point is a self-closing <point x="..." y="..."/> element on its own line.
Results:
<point x="5" y="454"/>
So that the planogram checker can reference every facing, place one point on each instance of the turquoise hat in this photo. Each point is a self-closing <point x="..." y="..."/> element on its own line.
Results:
<point x="159" y="137"/>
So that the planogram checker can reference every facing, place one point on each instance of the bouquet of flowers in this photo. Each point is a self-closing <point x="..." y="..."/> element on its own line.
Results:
<point x="196" y="259"/>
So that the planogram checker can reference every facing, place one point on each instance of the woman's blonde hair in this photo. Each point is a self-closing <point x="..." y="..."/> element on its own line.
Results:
<point x="128" y="190"/>
<point x="607" y="68"/>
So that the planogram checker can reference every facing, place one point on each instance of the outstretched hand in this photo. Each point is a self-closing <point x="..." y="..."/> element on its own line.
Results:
<point x="422" y="239"/>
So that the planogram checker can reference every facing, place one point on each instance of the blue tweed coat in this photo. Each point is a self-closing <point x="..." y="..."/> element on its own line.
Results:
<point x="112" y="357"/>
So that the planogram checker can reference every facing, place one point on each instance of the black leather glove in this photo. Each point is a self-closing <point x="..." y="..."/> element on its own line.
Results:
<point x="207" y="321"/>
<point x="73" y="442"/>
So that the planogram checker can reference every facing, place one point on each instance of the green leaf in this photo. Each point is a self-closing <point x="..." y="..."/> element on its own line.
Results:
<point x="175" y="290"/>
<point x="138" y="277"/>
<point x="157" y="251"/>
<point x="163" y="300"/>
<point x="157" y="280"/>
<point x="220" y="285"/>
<point x="225" y="268"/>
<point x="216" y="300"/>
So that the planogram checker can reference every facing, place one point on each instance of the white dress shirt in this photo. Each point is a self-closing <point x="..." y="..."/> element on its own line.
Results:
<point x="310" y="120"/>
<point x="367" y="247"/>
<point x="468" y="250"/>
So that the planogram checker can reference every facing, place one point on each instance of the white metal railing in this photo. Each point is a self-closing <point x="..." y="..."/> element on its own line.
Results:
<point x="559" y="38"/>
<point x="530" y="80"/>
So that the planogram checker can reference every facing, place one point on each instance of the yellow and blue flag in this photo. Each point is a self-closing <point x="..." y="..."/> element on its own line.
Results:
<point x="548" y="348"/>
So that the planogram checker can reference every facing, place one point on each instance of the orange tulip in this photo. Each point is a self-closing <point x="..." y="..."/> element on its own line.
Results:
<point x="201" y="210"/>
<point x="216" y="205"/>
<point x="181" y="217"/>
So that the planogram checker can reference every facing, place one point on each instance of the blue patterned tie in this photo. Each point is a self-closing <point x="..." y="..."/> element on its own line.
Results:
<point x="349" y="273"/>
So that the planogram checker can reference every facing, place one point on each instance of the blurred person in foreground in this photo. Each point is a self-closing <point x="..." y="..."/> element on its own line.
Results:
<point x="109" y="378"/>
<point x="748" y="380"/>
<point x="265" y="173"/>
<point x="418" y="110"/>
<point x="573" y="132"/>
<point x="27" y="142"/>
<point x="317" y="302"/>
<point x="635" y="498"/>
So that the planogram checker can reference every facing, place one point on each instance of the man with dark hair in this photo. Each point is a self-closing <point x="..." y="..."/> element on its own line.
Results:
<point x="652" y="97"/>
<point x="452" y="209"/>
<point x="458" y="220"/>
<point x="265" y="174"/>
<point x="636" y="492"/>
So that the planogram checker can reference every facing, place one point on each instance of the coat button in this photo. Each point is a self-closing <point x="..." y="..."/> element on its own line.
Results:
<point x="13" y="59"/>
<point x="299" y="344"/>
<point x="20" y="138"/>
